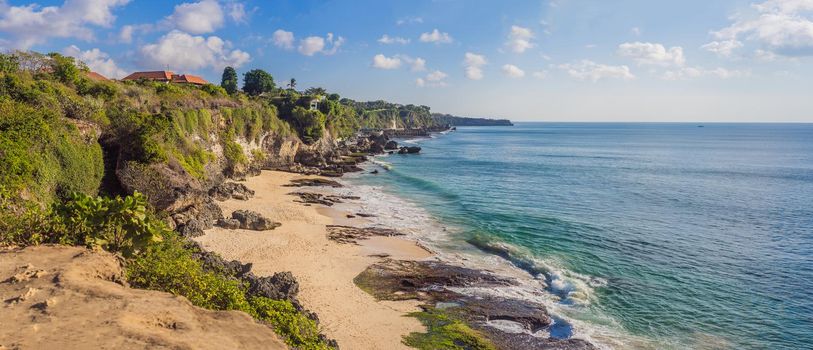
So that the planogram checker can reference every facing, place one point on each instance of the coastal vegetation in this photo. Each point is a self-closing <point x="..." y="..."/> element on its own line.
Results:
<point x="99" y="163"/>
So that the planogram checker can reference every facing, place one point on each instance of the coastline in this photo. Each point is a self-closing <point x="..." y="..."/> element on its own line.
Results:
<point x="325" y="269"/>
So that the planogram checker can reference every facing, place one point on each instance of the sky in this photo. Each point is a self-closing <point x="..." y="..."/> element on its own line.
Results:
<point x="546" y="60"/>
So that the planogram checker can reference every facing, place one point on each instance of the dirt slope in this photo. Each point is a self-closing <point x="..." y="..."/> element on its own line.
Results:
<point x="58" y="297"/>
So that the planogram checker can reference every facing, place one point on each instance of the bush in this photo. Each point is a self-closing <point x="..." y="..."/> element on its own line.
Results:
<point x="310" y="124"/>
<point x="113" y="224"/>
<point x="296" y="329"/>
<point x="444" y="332"/>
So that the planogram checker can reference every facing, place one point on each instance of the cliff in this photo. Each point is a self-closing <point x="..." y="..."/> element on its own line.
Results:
<point x="449" y="119"/>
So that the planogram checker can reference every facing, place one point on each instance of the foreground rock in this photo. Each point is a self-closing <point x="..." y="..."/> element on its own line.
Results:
<point x="351" y="235"/>
<point x="248" y="220"/>
<point x="435" y="284"/>
<point x="59" y="297"/>
<point x="409" y="150"/>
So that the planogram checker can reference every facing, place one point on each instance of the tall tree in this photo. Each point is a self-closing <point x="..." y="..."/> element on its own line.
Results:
<point x="229" y="80"/>
<point x="257" y="81"/>
<point x="292" y="84"/>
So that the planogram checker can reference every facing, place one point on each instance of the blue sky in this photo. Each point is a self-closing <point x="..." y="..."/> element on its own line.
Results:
<point x="557" y="60"/>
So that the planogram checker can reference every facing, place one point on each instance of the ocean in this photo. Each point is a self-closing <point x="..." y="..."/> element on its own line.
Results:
<point x="636" y="235"/>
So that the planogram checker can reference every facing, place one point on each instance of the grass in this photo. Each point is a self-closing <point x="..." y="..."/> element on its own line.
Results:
<point x="445" y="332"/>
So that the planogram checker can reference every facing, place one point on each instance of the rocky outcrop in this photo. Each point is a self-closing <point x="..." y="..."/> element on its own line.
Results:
<point x="438" y="285"/>
<point x="409" y="150"/>
<point x="391" y="145"/>
<point x="248" y="220"/>
<point x="314" y="182"/>
<point x="318" y="198"/>
<point x="351" y="235"/>
<point x="231" y="190"/>
<point x="60" y="297"/>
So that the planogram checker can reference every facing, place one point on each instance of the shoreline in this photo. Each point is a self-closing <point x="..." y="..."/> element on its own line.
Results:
<point x="325" y="269"/>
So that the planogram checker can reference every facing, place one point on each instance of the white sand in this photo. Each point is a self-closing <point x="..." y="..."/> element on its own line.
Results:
<point x="324" y="269"/>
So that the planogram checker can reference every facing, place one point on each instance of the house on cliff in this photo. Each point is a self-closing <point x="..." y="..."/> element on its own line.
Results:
<point x="167" y="77"/>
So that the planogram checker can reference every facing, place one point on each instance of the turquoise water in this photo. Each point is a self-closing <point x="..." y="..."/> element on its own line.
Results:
<point x="685" y="236"/>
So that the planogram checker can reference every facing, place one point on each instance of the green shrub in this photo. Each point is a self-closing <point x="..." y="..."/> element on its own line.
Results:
<point x="113" y="224"/>
<point x="296" y="329"/>
<point x="169" y="266"/>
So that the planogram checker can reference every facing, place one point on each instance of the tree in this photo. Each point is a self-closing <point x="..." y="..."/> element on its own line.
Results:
<point x="257" y="81"/>
<point x="316" y="91"/>
<point x="9" y="63"/>
<point x="292" y="84"/>
<point x="229" y="80"/>
<point x="309" y="124"/>
<point x="65" y="68"/>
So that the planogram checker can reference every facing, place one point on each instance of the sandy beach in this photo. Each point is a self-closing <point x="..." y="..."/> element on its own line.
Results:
<point x="325" y="269"/>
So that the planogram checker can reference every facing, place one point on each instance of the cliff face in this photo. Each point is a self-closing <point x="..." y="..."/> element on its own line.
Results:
<point x="452" y="120"/>
<point x="61" y="297"/>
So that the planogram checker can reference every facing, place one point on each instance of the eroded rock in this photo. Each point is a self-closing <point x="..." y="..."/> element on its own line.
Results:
<point x="248" y="220"/>
<point x="351" y="235"/>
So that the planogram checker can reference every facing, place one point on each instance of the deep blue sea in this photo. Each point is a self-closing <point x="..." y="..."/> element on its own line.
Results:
<point x="671" y="236"/>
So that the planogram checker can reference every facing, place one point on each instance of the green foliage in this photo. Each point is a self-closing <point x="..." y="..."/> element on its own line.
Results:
<point x="229" y="80"/>
<point x="446" y="333"/>
<point x="310" y="124"/>
<point x="169" y="266"/>
<point x="214" y="90"/>
<point x="9" y="63"/>
<point x="42" y="155"/>
<point x="233" y="152"/>
<point x="257" y="81"/>
<point x="113" y="224"/>
<point x="316" y="91"/>
<point x="64" y="68"/>
<point x="297" y="330"/>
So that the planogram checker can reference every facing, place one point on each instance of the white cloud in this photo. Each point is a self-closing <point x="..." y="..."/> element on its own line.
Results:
<point x="635" y="31"/>
<point x="589" y="70"/>
<point x="474" y="65"/>
<point x="198" y="17"/>
<point x="315" y="44"/>
<point x="31" y="24"/>
<point x="437" y="37"/>
<point x="512" y="71"/>
<point x="97" y="61"/>
<point x="237" y="12"/>
<point x="409" y="20"/>
<point x="519" y="39"/>
<point x="765" y="56"/>
<point x="416" y="64"/>
<point x="723" y="48"/>
<point x="283" y="39"/>
<point x="699" y="72"/>
<point x="540" y="74"/>
<point x="311" y="45"/>
<point x="383" y="62"/>
<point x="386" y="39"/>
<point x="183" y="51"/>
<point x="781" y="26"/>
<point x="652" y="54"/>
<point x="126" y="34"/>
<point x="433" y="79"/>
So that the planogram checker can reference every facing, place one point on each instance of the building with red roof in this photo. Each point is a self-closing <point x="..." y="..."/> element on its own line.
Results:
<point x="167" y="77"/>
<point x="96" y="76"/>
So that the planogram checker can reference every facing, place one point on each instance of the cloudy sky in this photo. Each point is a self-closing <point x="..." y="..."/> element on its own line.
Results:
<point x="555" y="60"/>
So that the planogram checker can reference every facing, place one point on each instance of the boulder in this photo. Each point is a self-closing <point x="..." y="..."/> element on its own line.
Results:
<point x="250" y="220"/>
<point x="391" y="145"/>
<point x="280" y="286"/>
<point x="403" y="150"/>
<point x="228" y="190"/>
<point x="413" y="149"/>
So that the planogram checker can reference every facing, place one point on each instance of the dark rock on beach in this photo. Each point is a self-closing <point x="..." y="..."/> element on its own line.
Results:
<point x="231" y="190"/>
<point x="432" y="282"/>
<point x="409" y="150"/>
<point x="248" y="220"/>
<point x="391" y="145"/>
<point x="318" y="198"/>
<point x="351" y="235"/>
<point x="280" y="286"/>
<point x="316" y="182"/>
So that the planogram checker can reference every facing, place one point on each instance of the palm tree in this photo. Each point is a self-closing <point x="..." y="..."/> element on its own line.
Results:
<point x="292" y="84"/>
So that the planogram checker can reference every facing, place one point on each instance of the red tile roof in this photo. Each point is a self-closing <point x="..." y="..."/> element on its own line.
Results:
<point x="96" y="76"/>
<point x="188" y="79"/>
<point x="160" y="75"/>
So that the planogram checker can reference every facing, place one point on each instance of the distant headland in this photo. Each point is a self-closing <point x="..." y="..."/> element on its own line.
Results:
<point x="468" y="121"/>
